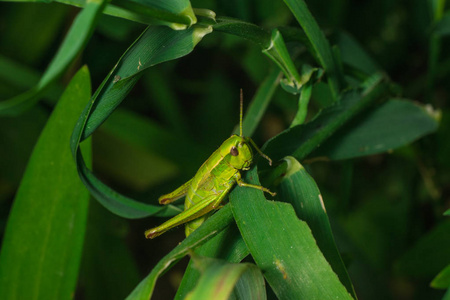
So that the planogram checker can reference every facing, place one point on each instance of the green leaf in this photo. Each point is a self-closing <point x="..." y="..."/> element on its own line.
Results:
<point x="429" y="255"/>
<point x="299" y="188"/>
<point x="250" y="286"/>
<point x="272" y="45"/>
<point x="299" y="141"/>
<point x="177" y="14"/>
<point x="75" y="41"/>
<point x="303" y="101"/>
<point x="212" y="226"/>
<point x="106" y="257"/>
<point x="393" y="124"/>
<point x="219" y="278"/>
<point x="252" y="32"/>
<point x="278" y="52"/>
<point x="442" y="280"/>
<point x="319" y="43"/>
<point x="156" y="45"/>
<point x="306" y="85"/>
<point x="44" y="236"/>
<point x="283" y="247"/>
<point x="235" y="251"/>
<point x="447" y="295"/>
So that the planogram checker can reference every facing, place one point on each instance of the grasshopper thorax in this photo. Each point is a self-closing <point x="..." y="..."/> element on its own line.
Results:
<point x="237" y="152"/>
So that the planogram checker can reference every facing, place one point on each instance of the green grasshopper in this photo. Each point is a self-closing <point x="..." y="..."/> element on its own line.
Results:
<point x="212" y="182"/>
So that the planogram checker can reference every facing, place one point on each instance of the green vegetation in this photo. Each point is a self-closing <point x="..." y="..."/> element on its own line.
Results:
<point x="348" y="98"/>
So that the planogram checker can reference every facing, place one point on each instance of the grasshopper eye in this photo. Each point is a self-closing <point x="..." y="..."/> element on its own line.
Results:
<point x="234" y="151"/>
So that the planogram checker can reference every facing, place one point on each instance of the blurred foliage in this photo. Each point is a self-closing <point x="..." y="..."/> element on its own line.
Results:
<point x="385" y="209"/>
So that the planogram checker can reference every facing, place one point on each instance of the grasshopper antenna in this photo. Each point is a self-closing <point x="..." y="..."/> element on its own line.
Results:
<point x="241" y="114"/>
<point x="249" y="138"/>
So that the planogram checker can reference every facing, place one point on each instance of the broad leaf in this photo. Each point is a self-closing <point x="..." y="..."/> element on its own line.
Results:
<point x="393" y="124"/>
<point x="283" y="247"/>
<point x="156" y="45"/>
<point x="44" y="237"/>
<point x="299" y="141"/>
<point x="299" y="188"/>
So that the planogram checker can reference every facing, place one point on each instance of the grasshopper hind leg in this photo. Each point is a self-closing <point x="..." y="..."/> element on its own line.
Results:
<point x="194" y="224"/>
<point x="199" y="210"/>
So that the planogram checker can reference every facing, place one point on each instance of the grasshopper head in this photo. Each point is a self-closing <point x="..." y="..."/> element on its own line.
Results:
<point x="238" y="148"/>
<point x="239" y="152"/>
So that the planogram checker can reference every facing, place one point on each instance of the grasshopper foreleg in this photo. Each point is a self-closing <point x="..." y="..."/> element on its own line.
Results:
<point x="240" y="182"/>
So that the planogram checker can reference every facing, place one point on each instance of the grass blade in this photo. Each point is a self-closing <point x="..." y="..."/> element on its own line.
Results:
<point x="442" y="280"/>
<point x="299" y="141"/>
<point x="393" y="124"/>
<point x="283" y="247"/>
<point x="214" y="225"/>
<point x="44" y="236"/>
<point x="319" y="42"/>
<point x="235" y="251"/>
<point x="299" y="188"/>
<point x="177" y="15"/>
<point x="155" y="45"/>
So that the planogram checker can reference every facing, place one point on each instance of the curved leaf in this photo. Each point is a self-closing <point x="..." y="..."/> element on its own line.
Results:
<point x="252" y="32"/>
<point x="155" y="45"/>
<point x="272" y="45"/>
<point x="277" y="51"/>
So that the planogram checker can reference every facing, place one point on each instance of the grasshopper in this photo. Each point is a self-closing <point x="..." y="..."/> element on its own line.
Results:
<point x="212" y="182"/>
